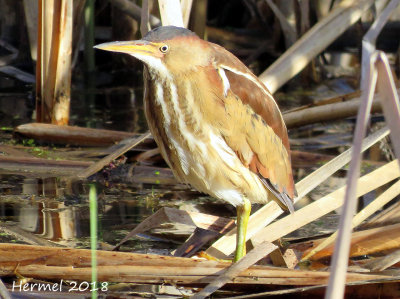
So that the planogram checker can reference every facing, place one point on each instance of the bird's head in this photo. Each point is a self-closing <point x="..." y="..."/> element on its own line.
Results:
<point x="166" y="48"/>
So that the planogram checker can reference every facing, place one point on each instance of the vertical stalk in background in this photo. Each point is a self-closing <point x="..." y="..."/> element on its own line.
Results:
<point x="171" y="12"/>
<point x="186" y="9"/>
<point x="89" y="61"/>
<point x="287" y="21"/>
<point x="89" y="37"/>
<point x="198" y="18"/>
<point x="93" y="236"/>
<point x="39" y="63"/>
<point x="31" y="10"/>
<point x="62" y="84"/>
<point x="53" y="72"/>
<point x="145" y="16"/>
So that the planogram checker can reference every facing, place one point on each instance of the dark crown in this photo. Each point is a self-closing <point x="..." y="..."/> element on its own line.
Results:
<point x="166" y="33"/>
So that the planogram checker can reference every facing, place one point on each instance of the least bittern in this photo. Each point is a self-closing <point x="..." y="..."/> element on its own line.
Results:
<point x="217" y="126"/>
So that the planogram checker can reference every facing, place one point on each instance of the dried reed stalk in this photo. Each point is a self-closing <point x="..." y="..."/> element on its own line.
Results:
<point x="287" y="28"/>
<point x="169" y="215"/>
<point x="198" y="21"/>
<point x="74" y="264"/>
<point x="186" y="9"/>
<point x="72" y="135"/>
<point x="313" y="42"/>
<point x="365" y="242"/>
<point x="31" y="17"/>
<point x="374" y="206"/>
<point x="376" y="72"/>
<point x="53" y="73"/>
<point x="235" y="269"/>
<point x="326" y="204"/>
<point x="145" y="18"/>
<point x="382" y="263"/>
<point x="171" y="12"/>
<point x="327" y="112"/>
<point x="380" y="75"/>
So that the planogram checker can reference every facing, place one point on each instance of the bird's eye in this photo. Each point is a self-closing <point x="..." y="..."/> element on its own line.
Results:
<point x="164" y="49"/>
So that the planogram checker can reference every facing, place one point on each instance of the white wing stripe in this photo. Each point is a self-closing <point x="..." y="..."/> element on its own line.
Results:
<point x="225" y="81"/>
<point x="248" y="76"/>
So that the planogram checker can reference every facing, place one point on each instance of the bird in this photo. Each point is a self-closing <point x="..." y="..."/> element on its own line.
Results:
<point x="216" y="124"/>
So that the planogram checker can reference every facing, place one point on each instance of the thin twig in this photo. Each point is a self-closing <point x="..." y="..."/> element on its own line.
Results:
<point x="100" y="164"/>
<point x="235" y="269"/>
<point x="369" y="40"/>
<point x="380" y="264"/>
<point x="3" y="291"/>
<point x="328" y="112"/>
<point x="289" y="32"/>
<point x="378" y="68"/>
<point x="378" y="203"/>
<point x="308" y="288"/>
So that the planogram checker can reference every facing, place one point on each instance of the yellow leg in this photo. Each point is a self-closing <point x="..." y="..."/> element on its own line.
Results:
<point x="243" y="214"/>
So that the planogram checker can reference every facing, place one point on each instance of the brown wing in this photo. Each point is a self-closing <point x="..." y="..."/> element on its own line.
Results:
<point x="258" y="133"/>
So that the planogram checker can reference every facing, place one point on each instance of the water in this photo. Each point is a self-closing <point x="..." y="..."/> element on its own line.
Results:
<point x="55" y="209"/>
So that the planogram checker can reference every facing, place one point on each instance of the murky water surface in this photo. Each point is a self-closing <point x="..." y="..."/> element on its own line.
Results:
<point x="50" y="210"/>
<point x="57" y="210"/>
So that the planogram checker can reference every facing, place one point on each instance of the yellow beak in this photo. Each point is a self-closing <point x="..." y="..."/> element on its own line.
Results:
<point x="137" y="47"/>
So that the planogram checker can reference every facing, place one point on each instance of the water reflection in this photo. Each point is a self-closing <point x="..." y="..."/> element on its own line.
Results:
<point x="48" y="209"/>
<point x="40" y="187"/>
<point x="58" y="211"/>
